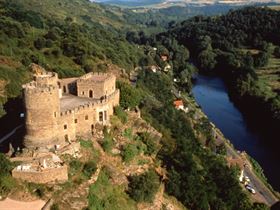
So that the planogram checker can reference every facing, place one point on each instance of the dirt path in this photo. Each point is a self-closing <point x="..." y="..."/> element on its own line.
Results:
<point x="9" y="204"/>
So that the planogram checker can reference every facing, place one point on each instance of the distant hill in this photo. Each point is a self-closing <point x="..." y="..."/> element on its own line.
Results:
<point x="170" y="3"/>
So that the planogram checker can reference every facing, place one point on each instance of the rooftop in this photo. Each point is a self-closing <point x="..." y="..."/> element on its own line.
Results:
<point x="69" y="102"/>
<point x="178" y="103"/>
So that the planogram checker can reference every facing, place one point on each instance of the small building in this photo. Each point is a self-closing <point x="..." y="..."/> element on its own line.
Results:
<point x="154" y="68"/>
<point x="179" y="104"/>
<point x="164" y="57"/>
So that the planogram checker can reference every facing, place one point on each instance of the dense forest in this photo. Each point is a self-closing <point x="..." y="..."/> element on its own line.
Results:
<point x="234" y="46"/>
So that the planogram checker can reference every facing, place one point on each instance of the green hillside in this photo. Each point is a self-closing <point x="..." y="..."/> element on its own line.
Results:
<point x="69" y="37"/>
<point x="82" y="11"/>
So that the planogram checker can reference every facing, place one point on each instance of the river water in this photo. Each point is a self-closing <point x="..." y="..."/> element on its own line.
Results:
<point x="211" y="94"/>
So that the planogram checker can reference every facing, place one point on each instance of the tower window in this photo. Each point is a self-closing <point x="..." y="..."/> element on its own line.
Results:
<point x="91" y="94"/>
<point x="86" y="117"/>
<point x="65" y="127"/>
<point x="100" y="116"/>
<point x="105" y="115"/>
<point x="54" y="114"/>
<point x="76" y="121"/>
<point x="64" y="89"/>
<point x="66" y="138"/>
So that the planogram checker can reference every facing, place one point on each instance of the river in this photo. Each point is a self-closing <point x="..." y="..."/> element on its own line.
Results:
<point x="211" y="94"/>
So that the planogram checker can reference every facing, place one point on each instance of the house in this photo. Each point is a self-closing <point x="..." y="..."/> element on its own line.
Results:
<point x="179" y="104"/>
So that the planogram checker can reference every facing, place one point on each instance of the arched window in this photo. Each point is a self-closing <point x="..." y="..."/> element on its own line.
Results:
<point x="91" y="94"/>
<point x="64" y="89"/>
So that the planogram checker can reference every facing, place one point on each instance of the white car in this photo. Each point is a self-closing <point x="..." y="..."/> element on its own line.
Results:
<point x="247" y="179"/>
<point x="250" y="189"/>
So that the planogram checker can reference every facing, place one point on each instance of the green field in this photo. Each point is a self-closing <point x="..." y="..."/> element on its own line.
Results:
<point x="270" y="74"/>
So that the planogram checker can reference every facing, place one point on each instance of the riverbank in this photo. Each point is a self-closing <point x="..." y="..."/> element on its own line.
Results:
<point x="205" y="110"/>
<point x="211" y="94"/>
<point x="265" y="192"/>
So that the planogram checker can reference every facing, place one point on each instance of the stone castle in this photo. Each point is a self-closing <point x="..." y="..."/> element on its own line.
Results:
<point x="60" y="110"/>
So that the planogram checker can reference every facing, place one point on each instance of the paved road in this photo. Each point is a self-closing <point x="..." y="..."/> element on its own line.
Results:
<point x="262" y="191"/>
<point x="10" y="134"/>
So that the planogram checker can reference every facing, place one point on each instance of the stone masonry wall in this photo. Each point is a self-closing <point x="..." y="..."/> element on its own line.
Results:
<point x="46" y="125"/>
<point x="45" y="176"/>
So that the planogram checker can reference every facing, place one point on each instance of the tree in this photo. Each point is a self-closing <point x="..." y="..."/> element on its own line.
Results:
<point x="5" y="165"/>
<point x="89" y="168"/>
<point x="40" y="43"/>
<point x="261" y="59"/>
<point x="121" y="114"/>
<point x="260" y="206"/>
<point x="130" y="96"/>
<point x="204" y="43"/>
<point x="152" y="146"/>
<point x="143" y="187"/>
<point x="129" y="152"/>
<point x="206" y="60"/>
<point x="277" y="52"/>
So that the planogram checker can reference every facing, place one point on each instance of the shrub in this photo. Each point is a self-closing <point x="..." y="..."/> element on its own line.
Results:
<point x="5" y="165"/>
<point x="144" y="187"/>
<point x="86" y="143"/>
<point x="55" y="206"/>
<point x="129" y="152"/>
<point x="277" y="52"/>
<point x="152" y="146"/>
<point x="104" y="195"/>
<point x="128" y="133"/>
<point x="121" y="114"/>
<point x="130" y="96"/>
<point x="7" y="183"/>
<point x="89" y="168"/>
<point x="36" y="189"/>
<point x="107" y="143"/>
<point x="75" y="166"/>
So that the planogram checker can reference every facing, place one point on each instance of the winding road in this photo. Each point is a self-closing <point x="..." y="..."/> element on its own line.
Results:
<point x="262" y="191"/>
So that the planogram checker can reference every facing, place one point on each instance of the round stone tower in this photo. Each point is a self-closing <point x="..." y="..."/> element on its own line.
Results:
<point x="41" y="98"/>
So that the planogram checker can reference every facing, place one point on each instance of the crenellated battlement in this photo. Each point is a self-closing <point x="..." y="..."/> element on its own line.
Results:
<point x="33" y="88"/>
<point x="97" y="77"/>
<point x="89" y="105"/>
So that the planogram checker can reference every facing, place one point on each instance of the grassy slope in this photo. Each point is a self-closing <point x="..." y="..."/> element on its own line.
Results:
<point x="270" y="74"/>
<point x="81" y="10"/>
<point x="100" y="40"/>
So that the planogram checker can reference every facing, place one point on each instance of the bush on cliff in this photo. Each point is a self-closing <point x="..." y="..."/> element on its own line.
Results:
<point x="6" y="181"/>
<point x="130" y="97"/>
<point x="5" y="165"/>
<point x="121" y="114"/>
<point x="143" y="187"/>
<point x="89" y="168"/>
<point x="129" y="152"/>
